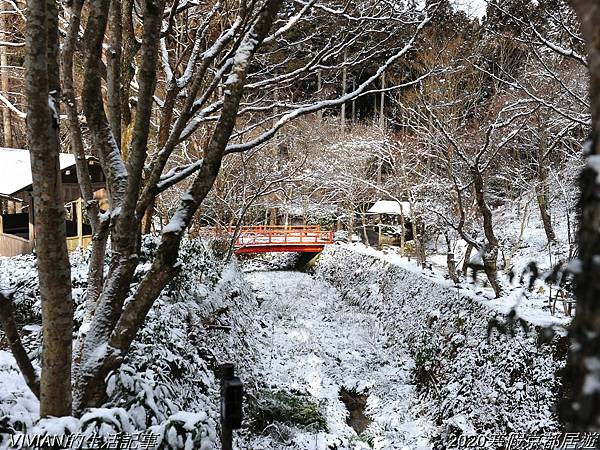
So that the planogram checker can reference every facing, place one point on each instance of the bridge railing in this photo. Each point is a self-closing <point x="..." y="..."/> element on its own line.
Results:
<point x="282" y="234"/>
<point x="275" y="235"/>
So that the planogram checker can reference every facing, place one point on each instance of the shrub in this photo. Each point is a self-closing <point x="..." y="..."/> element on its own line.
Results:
<point x="289" y="407"/>
<point x="426" y="357"/>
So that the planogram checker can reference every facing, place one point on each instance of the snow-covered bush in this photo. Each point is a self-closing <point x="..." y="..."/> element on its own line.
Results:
<point x="18" y="406"/>
<point x="146" y="400"/>
<point x="103" y="422"/>
<point x="341" y="235"/>
<point x="19" y="275"/>
<point x="269" y="261"/>
<point x="426" y="360"/>
<point x="186" y="431"/>
<point x="289" y="407"/>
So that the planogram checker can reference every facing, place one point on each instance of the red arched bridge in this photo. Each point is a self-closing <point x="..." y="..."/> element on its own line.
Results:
<point x="281" y="238"/>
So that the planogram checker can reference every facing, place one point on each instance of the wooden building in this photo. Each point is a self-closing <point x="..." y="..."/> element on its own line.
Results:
<point x="17" y="221"/>
<point x="389" y="219"/>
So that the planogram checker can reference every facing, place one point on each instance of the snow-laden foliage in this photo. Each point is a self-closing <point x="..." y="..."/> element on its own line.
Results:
<point x="16" y="274"/>
<point x="469" y="381"/>
<point x="168" y="384"/>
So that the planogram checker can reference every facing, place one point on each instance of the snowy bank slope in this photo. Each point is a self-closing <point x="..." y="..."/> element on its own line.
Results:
<point x="468" y="383"/>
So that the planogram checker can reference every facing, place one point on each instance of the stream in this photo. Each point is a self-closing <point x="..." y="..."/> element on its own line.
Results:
<point x="339" y="356"/>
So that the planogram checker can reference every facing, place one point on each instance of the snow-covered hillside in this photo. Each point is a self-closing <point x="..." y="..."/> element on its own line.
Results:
<point x="168" y="386"/>
<point x="370" y="352"/>
<point x="477" y="370"/>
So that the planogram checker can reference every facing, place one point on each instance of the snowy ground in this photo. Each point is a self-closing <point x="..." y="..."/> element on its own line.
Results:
<point x="356" y="325"/>
<point x="320" y="344"/>
<point x="532" y="306"/>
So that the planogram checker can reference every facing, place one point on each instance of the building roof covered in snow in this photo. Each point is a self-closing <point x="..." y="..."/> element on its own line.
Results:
<point x="15" y="169"/>
<point x="390" y="207"/>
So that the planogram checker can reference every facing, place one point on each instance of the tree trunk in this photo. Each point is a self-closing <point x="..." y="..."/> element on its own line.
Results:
<point x="582" y="375"/>
<point x="95" y="278"/>
<point x="41" y="87"/>
<point x="354" y="102"/>
<point x="9" y="324"/>
<point x="344" y="89"/>
<point x="417" y="236"/>
<point x="467" y="259"/>
<point x="123" y="180"/>
<point x="319" y="87"/>
<point x="542" y="201"/>
<point x="351" y="219"/>
<point x="490" y="250"/>
<point x="490" y="267"/>
<point x="117" y="332"/>
<point x="402" y="231"/>
<point x="422" y="256"/>
<point x="113" y="65"/>
<point x="451" y="262"/>
<point x="542" y="191"/>
<point x="364" y="227"/>
<point x="147" y="219"/>
<point x="130" y="47"/>
<point x="382" y="102"/>
<point x="7" y="126"/>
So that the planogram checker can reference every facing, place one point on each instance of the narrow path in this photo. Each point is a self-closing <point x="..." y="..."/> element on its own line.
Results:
<point x="319" y="344"/>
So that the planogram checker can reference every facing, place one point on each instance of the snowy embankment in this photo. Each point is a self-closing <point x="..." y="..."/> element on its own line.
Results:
<point x="168" y="385"/>
<point x="472" y="377"/>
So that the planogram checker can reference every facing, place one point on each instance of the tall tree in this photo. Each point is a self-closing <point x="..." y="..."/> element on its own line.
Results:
<point x="4" y="78"/>
<point x="583" y="365"/>
<point x="42" y="91"/>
